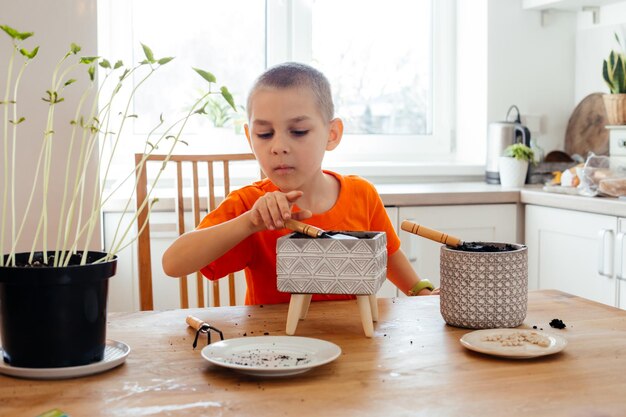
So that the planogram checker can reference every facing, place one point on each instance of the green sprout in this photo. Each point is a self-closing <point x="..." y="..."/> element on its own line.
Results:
<point x="91" y="127"/>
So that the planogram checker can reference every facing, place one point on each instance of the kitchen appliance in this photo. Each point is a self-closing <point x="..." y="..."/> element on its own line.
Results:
<point x="499" y="136"/>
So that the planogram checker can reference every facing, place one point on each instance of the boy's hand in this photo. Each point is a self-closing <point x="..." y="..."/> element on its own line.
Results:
<point x="426" y="291"/>
<point x="271" y="210"/>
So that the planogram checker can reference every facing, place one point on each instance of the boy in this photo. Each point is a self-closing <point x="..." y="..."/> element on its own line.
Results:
<point x="291" y="126"/>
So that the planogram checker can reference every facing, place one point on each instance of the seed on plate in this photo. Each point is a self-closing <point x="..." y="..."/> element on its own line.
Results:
<point x="519" y="339"/>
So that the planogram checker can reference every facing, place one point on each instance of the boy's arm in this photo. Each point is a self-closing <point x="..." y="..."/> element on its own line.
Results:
<point x="196" y="249"/>
<point x="402" y="274"/>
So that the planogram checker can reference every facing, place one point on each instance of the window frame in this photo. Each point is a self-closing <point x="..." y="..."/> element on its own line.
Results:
<point x="289" y="25"/>
<point x="288" y="38"/>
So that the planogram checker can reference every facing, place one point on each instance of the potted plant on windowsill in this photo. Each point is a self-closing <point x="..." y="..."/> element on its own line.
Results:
<point x="614" y="74"/>
<point x="513" y="165"/>
<point x="53" y="299"/>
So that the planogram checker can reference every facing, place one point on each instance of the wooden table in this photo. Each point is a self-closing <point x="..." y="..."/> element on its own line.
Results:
<point x="413" y="366"/>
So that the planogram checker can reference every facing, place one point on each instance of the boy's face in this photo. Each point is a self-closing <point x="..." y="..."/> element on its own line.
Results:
<point x="289" y="135"/>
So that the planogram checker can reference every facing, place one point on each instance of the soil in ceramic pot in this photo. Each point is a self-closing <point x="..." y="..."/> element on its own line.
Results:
<point x="484" y="247"/>
<point x="38" y="260"/>
<point x="53" y="317"/>
<point x="336" y="235"/>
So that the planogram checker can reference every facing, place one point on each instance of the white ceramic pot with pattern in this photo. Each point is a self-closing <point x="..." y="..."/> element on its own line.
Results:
<point x="484" y="290"/>
<point x="306" y="265"/>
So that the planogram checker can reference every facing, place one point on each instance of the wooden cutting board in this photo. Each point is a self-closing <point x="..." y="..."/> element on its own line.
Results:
<point x="586" y="130"/>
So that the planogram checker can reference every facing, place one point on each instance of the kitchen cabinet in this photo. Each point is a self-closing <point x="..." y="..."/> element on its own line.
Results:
<point x="577" y="252"/>
<point x="565" y="5"/>
<point x="124" y="287"/>
<point x="480" y="222"/>
<point x="620" y="267"/>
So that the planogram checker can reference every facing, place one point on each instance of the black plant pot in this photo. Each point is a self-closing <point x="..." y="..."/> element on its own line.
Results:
<point x="54" y="317"/>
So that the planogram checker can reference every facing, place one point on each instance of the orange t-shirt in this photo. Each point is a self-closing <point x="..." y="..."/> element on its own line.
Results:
<point x="358" y="208"/>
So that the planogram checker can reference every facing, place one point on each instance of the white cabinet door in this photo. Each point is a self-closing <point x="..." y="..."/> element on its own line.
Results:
<point x="572" y="251"/>
<point x="486" y="223"/>
<point x="388" y="290"/>
<point x="620" y="263"/>
<point x="124" y="287"/>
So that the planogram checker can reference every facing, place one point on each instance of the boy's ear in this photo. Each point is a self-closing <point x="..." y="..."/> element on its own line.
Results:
<point x="335" y="134"/>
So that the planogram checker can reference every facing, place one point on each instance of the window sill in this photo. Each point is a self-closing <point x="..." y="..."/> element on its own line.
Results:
<point x="379" y="173"/>
<point x="417" y="172"/>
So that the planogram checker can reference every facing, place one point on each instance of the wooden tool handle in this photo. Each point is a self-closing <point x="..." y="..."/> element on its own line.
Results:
<point x="194" y="322"/>
<point x="305" y="229"/>
<point x="431" y="234"/>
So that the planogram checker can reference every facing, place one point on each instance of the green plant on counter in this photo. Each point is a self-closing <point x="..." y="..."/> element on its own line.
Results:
<point x="218" y="112"/>
<point x="222" y="114"/>
<point x="520" y="152"/>
<point x="95" y="123"/>
<point x="614" y="70"/>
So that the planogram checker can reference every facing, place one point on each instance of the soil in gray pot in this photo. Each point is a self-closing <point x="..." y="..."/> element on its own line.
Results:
<point x="484" y="247"/>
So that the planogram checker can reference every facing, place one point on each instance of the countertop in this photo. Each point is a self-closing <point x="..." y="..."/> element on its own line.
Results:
<point x="599" y="205"/>
<point x="446" y="193"/>
<point x="460" y="193"/>
<point x="441" y="194"/>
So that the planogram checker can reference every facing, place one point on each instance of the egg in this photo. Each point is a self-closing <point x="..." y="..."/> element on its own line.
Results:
<point x="567" y="178"/>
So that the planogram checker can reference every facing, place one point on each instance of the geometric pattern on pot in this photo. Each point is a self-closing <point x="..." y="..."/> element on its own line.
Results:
<point x="307" y="265"/>
<point x="484" y="290"/>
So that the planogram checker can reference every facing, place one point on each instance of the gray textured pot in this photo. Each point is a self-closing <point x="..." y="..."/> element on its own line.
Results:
<point x="306" y="265"/>
<point x="484" y="290"/>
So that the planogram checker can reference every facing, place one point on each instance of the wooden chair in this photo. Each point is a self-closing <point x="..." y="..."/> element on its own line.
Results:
<point x="143" y="242"/>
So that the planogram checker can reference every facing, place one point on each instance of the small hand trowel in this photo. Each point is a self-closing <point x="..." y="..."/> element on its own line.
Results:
<point x="431" y="234"/>
<point x="454" y="242"/>
<point x="312" y="231"/>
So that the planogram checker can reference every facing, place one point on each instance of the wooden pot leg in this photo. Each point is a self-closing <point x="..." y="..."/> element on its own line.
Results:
<point x="295" y="310"/>
<point x="365" y="309"/>
<point x="305" y="306"/>
<point x="374" y="306"/>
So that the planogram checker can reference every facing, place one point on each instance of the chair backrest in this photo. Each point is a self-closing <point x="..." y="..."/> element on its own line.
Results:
<point x="143" y="242"/>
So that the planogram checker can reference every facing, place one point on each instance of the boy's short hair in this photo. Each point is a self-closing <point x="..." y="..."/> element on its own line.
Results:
<point x="295" y="74"/>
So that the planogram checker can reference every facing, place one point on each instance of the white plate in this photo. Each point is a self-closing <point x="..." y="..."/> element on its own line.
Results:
<point x="115" y="354"/>
<point x="477" y="342"/>
<point x="271" y="355"/>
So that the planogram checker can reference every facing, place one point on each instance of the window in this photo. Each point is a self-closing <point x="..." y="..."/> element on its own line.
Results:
<point x="381" y="72"/>
<point x="390" y="66"/>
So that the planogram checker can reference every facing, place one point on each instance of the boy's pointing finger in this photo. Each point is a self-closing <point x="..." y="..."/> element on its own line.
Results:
<point x="293" y="195"/>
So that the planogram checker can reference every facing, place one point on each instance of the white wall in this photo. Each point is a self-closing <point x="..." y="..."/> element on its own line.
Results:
<point x="56" y="24"/>
<point x="532" y="66"/>
<point x="471" y="80"/>
<point x="594" y="42"/>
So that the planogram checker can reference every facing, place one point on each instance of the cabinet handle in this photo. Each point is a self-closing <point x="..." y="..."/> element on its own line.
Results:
<point x="620" y="243"/>
<point x="601" y="271"/>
